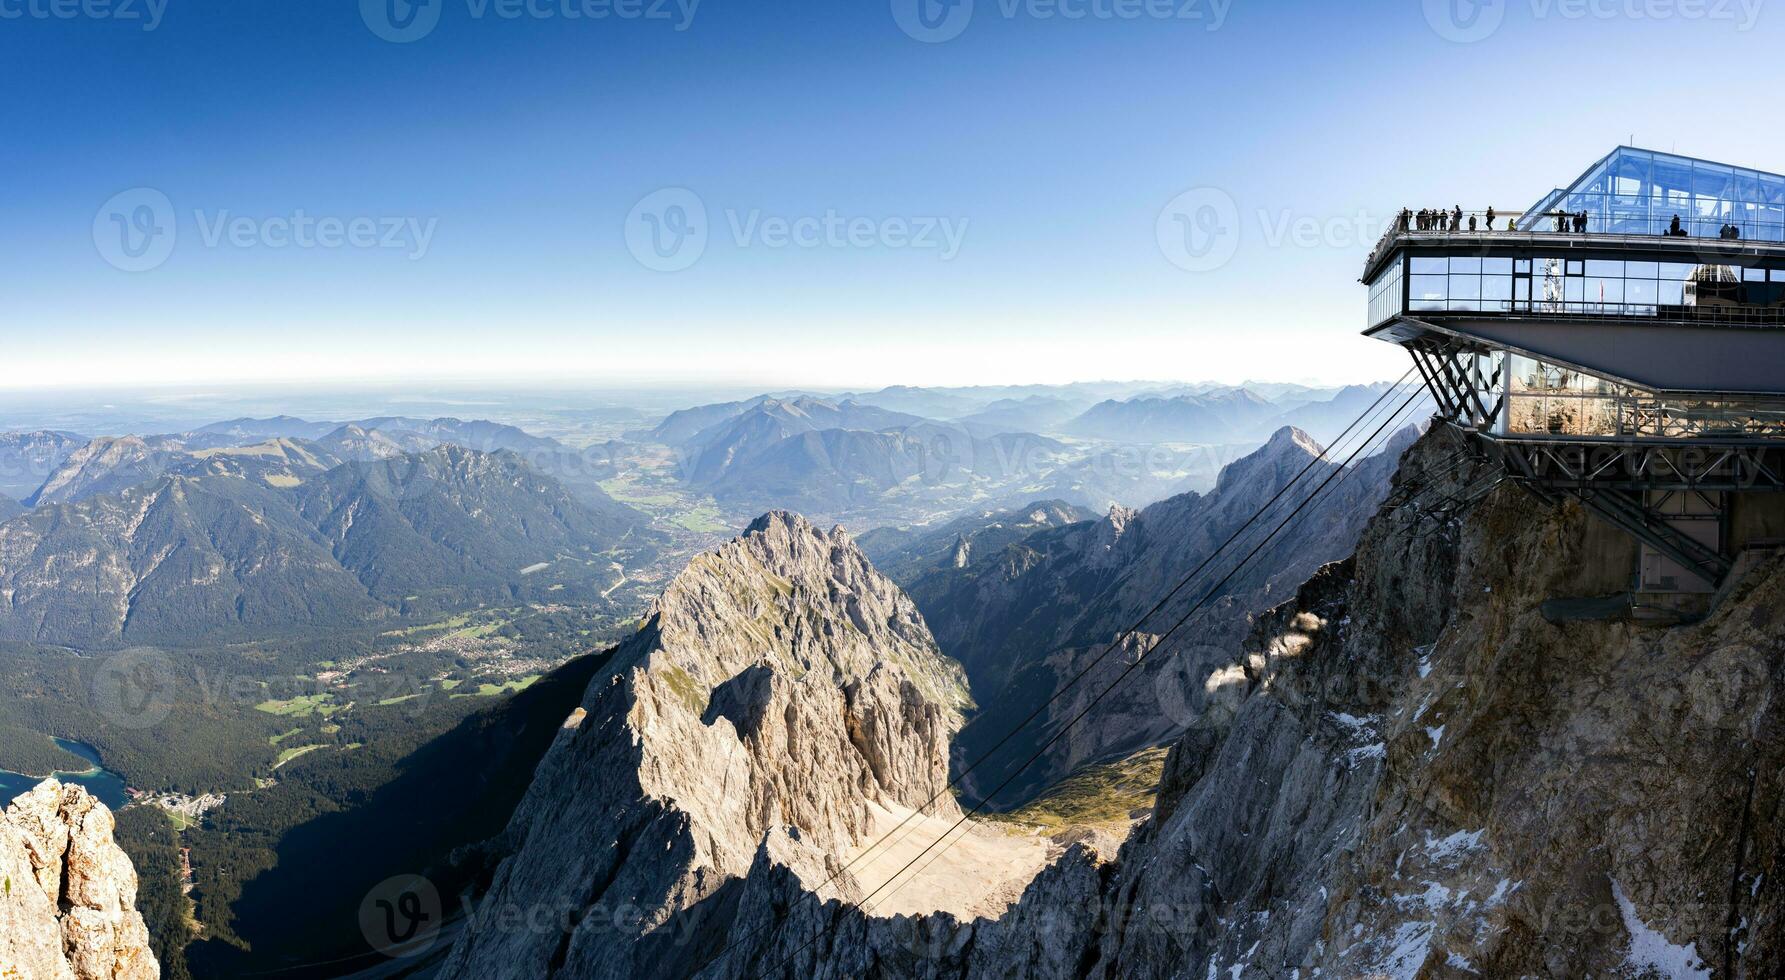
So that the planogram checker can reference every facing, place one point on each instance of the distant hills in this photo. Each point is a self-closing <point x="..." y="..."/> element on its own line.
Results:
<point x="875" y="457"/>
<point x="187" y="558"/>
<point x="1214" y="417"/>
<point x="827" y="457"/>
<point x="715" y="450"/>
<point x="26" y="458"/>
<point x="61" y="467"/>
<point x="1205" y="414"/>
<point x="1035" y="413"/>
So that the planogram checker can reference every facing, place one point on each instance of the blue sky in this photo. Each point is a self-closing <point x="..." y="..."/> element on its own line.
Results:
<point x="985" y="208"/>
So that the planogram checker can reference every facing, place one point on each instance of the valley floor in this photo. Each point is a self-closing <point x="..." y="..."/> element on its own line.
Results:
<point x="983" y="871"/>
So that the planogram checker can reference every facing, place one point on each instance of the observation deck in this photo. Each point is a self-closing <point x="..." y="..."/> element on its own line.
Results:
<point x="1639" y="368"/>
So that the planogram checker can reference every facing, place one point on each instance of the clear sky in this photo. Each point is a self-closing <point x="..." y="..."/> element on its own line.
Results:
<point x="980" y="203"/>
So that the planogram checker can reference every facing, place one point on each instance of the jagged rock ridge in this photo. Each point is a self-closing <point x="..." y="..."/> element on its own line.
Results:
<point x="779" y="682"/>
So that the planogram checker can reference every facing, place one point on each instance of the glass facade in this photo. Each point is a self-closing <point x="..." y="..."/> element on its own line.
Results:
<point x="1385" y="295"/>
<point x="1560" y="284"/>
<point x="1551" y="400"/>
<point x="1638" y="192"/>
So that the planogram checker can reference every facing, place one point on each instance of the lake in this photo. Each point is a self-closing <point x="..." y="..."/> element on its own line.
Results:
<point x="104" y="784"/>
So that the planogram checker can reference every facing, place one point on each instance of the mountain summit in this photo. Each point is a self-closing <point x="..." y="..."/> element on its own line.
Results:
<point x="781" y="690"/>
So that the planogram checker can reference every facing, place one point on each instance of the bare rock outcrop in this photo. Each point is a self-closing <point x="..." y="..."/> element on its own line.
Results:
<point x="778" y="687"/>
<point x="67" y="892"/>
<point x="1427" y="778"/>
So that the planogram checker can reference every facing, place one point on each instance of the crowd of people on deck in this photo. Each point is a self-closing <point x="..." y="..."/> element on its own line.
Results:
<point x="1456" y="219"/>
<point x="1577" y="222"/>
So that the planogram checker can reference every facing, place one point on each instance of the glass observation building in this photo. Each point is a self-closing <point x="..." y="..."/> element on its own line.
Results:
<point x="1621" y="342"/>
<point x="1639" y="192"/>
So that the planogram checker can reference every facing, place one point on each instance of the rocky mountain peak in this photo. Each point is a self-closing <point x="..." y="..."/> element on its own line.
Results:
<point x="1290" y="439"/>
<point x="1286" y="453"/>
<point x="780" y="684"/>
<point x="68" y="899"/>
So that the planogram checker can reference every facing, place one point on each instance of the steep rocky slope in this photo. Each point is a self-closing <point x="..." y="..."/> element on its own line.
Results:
<point x="780" y="694"/>
<point x="105" y="465"/>
<point x="1407" y="771"/>
<point x="67" y="892"/>
<point x="1038" y="615"/>
<point x="907" y="554"/>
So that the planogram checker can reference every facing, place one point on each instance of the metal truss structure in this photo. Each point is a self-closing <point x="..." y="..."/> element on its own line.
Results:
<point x="1628" y="481"/>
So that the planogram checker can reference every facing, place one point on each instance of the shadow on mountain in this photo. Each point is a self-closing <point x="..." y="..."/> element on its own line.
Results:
<point x="403" y="811"/>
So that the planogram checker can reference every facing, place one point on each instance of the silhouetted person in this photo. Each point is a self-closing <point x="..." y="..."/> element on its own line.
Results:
<point x="1561" y="225"/>
<point x="1675" y="229"/>
<point x="1490" y="218"/>
<point x="1471" y="222"/>
<point x="1456" y="219"/>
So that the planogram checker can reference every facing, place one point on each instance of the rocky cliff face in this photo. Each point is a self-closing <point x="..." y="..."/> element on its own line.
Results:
<point x="67" y="892"/>
<point x="1407" y="771"/>
<point x="780" y="691"/>
<point x="1040" y="614"/>
<point x="1426" y="777"/>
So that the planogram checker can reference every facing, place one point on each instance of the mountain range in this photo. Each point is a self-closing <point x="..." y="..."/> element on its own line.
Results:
<point x="1206" y="418"/>
<point x="27" y="458"/>
<point x="192" y="557"/>
<point x="68" y="468"/>
<point x="855" y="458"/>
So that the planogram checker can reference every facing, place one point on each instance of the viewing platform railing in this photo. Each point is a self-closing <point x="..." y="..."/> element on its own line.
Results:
<point x="1723" y="316"/>
<point x="1708" y="248"/>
